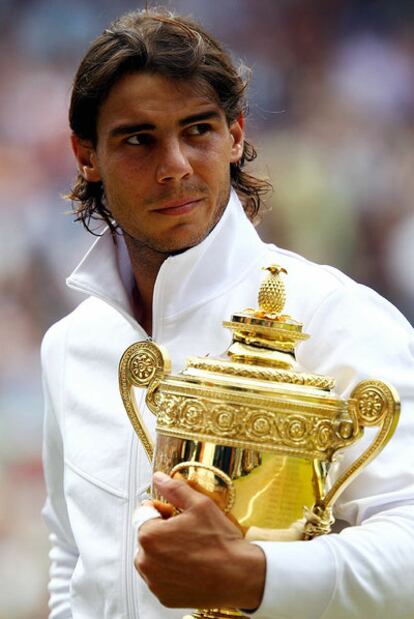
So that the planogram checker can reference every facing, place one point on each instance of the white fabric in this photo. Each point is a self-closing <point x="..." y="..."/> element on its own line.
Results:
<point x="142" y="514"/>
<point x="97" y="471"/>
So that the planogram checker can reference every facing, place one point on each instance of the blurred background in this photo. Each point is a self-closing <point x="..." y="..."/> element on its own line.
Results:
<point x="332" y="114"/>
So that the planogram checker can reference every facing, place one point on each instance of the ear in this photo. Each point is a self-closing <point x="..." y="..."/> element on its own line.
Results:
<point x="237" y="136"/>
<point x="85" y="154"/>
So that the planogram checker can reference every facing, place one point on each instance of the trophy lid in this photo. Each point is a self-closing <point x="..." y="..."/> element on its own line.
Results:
<point x="263" y="344"/>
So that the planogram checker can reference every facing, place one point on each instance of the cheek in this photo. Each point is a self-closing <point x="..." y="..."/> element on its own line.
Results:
<point x="126" y="179"/>
<point x="124" y="167"/>
<point x="220" y="148"/>
<point x="213" y="159"/>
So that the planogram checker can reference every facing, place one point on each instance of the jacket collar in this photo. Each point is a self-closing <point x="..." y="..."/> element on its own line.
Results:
<point x="225" y="256"/>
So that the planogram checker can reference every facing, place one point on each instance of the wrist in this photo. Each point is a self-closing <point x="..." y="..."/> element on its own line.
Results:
<point x="251" y="574"/>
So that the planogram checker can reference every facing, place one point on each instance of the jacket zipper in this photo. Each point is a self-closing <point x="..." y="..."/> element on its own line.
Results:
<point x="131" y="578"/>
<point x="131" y="585"/>
<point x="131" y="543"/>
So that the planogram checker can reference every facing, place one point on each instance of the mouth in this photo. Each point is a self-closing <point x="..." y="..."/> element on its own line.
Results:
<point x="179" y="207"/>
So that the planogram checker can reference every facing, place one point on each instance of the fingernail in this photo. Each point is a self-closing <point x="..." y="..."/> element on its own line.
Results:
<point x="161" y="478"/>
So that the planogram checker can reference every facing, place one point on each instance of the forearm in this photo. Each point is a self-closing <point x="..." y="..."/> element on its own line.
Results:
<point x="366" y="571"/>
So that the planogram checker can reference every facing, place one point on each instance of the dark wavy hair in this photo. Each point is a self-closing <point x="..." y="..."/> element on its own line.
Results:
<point x="176" y="47"/>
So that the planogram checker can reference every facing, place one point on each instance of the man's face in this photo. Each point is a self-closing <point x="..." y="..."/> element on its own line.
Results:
<point x="163" y="155"/>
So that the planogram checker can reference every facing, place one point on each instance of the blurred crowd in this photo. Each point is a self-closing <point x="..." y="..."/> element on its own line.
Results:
<point x="332" y="114"/>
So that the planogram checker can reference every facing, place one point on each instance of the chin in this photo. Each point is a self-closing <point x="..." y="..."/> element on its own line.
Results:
<point x="188" y="243"/>
<point x="177" y="252"/>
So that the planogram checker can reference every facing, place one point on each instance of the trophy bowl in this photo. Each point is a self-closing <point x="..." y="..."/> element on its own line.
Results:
<point x="251" y="430"/>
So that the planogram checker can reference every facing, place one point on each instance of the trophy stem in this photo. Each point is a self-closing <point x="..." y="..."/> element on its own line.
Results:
<point x="216" y="613"/>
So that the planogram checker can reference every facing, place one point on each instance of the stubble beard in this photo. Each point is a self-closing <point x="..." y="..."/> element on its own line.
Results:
<point x="161" y="249"/>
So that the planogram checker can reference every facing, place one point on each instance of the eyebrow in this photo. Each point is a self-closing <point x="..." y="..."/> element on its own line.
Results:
<point x="208" y="115"/>
<point x="138" y="127"/>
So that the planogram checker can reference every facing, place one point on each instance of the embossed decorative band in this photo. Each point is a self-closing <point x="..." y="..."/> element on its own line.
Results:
<point x="287" y="333"/>
<point x="261" y="373"/>
<point x="294" y="433"/>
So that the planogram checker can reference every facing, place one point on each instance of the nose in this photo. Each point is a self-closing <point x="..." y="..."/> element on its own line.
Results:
<point x="174" y="164"/>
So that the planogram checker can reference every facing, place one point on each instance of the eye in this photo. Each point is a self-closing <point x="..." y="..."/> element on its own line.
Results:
<point x="199" y="129"/>
<point x="140" y="139"/>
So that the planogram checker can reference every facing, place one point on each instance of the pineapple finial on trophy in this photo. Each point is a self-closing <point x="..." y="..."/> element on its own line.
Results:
<point x="264" y="334"/>
<point x="272" y="292"/>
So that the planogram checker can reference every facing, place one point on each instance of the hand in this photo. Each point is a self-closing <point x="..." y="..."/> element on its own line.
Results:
<point x="198" y="559"/>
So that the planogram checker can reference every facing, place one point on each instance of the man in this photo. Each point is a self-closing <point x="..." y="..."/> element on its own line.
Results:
<point x="158" y="134"/>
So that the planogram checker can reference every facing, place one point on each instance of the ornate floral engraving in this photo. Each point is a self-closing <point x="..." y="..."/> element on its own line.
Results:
<point x="371" y="406"/>
<point x="296" y="429"/>
<point x="325" y="434"/>
<point x="167" y="408"/>
<point x="374" y="400"/>
<point x="223" y="420"/>
<point x="305" y="434"/>
<point x="258" y="425"/>
<point x="191" y="415"/>
<point x="142" y="367"/>
<point x="140" y="363"/>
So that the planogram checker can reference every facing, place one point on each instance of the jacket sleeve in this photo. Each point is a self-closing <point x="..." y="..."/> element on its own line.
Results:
<point x="63" y="553"/>
<point x="367" y="570"/>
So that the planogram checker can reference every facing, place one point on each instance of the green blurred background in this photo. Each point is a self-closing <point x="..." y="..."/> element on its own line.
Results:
<point x="332" y="114"/>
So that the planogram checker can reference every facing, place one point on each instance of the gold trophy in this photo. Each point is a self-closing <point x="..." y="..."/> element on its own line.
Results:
<point x="252" y="430"/>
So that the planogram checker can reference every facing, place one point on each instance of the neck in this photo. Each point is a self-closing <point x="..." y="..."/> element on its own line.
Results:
<point x="145" y="263"/>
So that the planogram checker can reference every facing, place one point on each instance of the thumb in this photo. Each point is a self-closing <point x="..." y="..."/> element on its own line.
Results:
<point x="176" y="491"/>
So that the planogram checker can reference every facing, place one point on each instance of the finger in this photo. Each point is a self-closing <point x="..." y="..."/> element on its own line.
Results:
<point x="176" y="491"/>
<point x="166" y="509"/>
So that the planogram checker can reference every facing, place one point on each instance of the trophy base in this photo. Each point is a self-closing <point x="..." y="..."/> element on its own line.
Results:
<point x="216" y="613"/>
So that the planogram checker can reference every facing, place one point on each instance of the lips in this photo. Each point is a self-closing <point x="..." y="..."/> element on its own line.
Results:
<point x="179" y="207"/>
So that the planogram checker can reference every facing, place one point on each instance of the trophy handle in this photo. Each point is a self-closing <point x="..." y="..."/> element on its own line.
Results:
<point x="208" y="487"/>
<point x="143" y="364"/>
<point x="372" y="403"/>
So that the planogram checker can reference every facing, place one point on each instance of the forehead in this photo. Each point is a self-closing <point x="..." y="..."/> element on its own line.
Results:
<point x="141" y="97"/>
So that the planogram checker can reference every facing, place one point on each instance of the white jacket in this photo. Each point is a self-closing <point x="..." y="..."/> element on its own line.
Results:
<point x="97" y="472"/>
